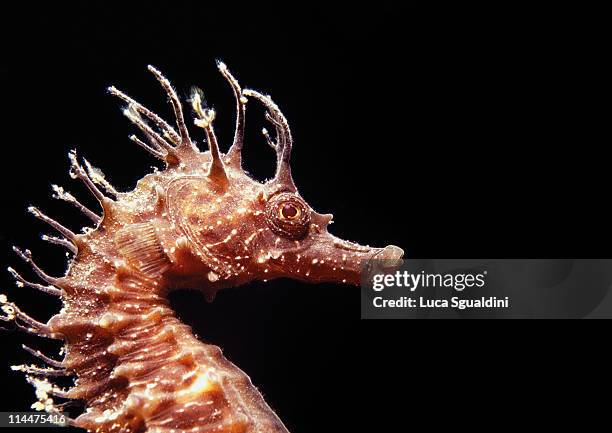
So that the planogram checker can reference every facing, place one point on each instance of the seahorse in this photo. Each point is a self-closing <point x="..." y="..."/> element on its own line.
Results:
<point x="202" y="222"/>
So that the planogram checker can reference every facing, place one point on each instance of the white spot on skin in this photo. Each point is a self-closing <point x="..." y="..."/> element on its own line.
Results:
<point x="9" y="311"/>
<point x="205" y="381"/>
<point x="119" y="264"/>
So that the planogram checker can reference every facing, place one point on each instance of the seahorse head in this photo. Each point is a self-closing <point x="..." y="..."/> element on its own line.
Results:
<point x="221" y="227"/>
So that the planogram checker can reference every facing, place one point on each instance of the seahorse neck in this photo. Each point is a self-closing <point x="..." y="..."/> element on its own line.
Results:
<point x="136" y="363"/>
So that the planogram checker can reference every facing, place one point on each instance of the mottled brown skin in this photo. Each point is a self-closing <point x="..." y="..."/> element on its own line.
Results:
<point x="200" y="223"/>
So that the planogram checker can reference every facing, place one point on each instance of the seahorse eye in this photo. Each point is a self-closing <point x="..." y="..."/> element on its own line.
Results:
<point x="288" y="216"/>
<point x="289" y="211"/>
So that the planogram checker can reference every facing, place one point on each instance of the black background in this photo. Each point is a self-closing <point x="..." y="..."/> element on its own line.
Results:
<point x="447" y="132"/>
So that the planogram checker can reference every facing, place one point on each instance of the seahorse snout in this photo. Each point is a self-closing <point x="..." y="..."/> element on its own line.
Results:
<point x="391" y="255"/>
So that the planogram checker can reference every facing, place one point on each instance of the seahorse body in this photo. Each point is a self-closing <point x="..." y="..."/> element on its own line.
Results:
<point x="202" y="222"/>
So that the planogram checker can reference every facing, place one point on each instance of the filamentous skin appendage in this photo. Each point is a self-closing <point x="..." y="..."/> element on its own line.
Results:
<point x="203" y="223"/>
